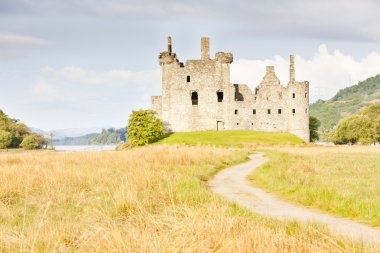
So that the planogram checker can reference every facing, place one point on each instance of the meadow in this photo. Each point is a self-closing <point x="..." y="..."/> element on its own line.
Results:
<point x="231" y="138"/>
<point x="149" y="199"/>
<point x="344" y="181"/>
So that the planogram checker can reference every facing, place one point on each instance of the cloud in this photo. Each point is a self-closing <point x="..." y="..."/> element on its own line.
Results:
<point x="44" y="90"/>
<point x="88" y="97"/>
<point x="326" y="71"/>
<point x="134" y="80"/>
<point x="327" y="19"/>
<point x="12" y="40"/>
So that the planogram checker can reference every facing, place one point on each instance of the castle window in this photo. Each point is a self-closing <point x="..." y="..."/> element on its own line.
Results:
<point x="237" y="123"/>
<point x="279" y="111"/>
<point x="188" y="79"/>
<point x="294" y="95"/>
<point x="236" y="111"/>
<point x="294" y="111"/>
<point x="219" y="94"/>
<point x="306" y="110"/>
<point x="306" y="95"/>
<point x="269" y="111"/>
<point x="256" y="91"/>
<point x="252" y="124"/>
<point x="194" y="98"/>
<point x="254" y="111"/>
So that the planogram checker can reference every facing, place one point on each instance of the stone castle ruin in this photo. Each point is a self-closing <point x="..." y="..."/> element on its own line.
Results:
<point x="198" y="95"/>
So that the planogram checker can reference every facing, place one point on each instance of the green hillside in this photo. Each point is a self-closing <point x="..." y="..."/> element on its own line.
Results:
<point x="346" y="102"/>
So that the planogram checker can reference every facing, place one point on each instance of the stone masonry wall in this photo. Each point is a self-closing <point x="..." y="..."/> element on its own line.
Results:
<point x="270" y="107"/>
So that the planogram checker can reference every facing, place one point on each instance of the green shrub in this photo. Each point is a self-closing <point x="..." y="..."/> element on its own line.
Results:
<point x="5" y="139"/>
<point x="363" y="127"/>
<point x="33" y="141"/>
<point x="144" y="127"/>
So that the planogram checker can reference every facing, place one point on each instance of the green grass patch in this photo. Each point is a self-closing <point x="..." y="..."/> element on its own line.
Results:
<point x="231" y="138"/>
<point x="346" y="184"/>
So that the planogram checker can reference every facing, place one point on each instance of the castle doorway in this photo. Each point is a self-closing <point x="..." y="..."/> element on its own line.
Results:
<point x="219" y="125"/>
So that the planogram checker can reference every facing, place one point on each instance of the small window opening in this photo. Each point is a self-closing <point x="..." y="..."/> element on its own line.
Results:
<point x="236" y="111"/>
<point x="306" y="110"/>
<point x="194" y="98"/>
<point x="279" y="111"/>
<point x="188" y="79"/>
<point x="219" y="94"/>
<point x="237" y="123"/>
<point x="269" y="111"/>
<point x="256" y="91"/>
<point x="294" y="95"/>
<point x="294" y="111"/>
<point x="252" y="124"/>
<point x="306" y="95"/>
<point x="254" y="111"/>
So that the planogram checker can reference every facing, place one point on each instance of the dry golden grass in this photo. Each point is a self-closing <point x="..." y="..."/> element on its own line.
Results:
<point x="344" y="180"/>
<point x="151" y="199"/>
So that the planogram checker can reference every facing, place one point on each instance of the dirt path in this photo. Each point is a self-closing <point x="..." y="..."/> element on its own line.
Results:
<point x="232" y="184"/>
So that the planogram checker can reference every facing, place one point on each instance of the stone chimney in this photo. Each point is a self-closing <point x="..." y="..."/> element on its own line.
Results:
<point x="169" y="44"/>
<point x="205" y="48"/>
<point x="270" y="69"/>
<point x="292" y="71"/>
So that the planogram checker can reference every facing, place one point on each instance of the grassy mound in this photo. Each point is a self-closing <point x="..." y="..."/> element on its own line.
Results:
<point x="344" y="181"/>
<point x="228" y="138"/>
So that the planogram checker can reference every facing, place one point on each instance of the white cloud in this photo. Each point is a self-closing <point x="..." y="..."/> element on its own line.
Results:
<point x="12" y="40"/>
<point x="326" y="71"/>
<point x="144" y="80"/>
<point x="44" y="90"/>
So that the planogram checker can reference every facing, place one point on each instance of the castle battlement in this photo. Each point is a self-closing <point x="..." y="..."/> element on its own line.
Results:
<point x="198" y="95"/>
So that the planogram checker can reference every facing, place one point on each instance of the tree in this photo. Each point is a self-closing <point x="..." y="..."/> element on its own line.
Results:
<point x="144" y="127"/>
<point x="363" y="127"/>
<point x="5" y="139"/>
<point x="314" y="124"/>
<point x="33" y="141"/>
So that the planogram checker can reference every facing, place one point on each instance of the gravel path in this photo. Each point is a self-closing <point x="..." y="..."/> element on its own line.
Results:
<point x="232" y="184"/>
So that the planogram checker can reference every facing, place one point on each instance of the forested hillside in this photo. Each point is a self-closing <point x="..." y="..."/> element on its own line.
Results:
<point x="14" y="134"/>
<point x="346" y="102"/>
<point x="107" y="136"/>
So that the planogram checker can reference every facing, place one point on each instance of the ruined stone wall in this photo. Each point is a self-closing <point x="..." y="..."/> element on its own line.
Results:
<point x="270" y="107"/>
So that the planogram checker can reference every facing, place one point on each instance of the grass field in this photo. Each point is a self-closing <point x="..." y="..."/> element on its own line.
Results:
<point x="150" y="199"/>
<point x="231" y="138"/>
<point x="340" y="180"/>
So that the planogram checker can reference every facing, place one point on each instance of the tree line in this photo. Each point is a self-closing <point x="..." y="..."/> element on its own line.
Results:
<point x="14" y="134"/>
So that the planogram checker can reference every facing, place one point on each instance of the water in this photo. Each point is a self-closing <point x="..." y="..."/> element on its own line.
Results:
<point x="85" y="148"/>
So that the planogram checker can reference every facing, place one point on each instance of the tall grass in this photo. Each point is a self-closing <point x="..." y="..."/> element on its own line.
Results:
<point x="231" y="138"/>
<point x="341" y="180"/>
<point x="150" y="199"/>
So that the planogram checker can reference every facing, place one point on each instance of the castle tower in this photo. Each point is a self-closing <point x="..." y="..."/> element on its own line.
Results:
<point x="292" y="74"/>
<point x="205" y="48"/>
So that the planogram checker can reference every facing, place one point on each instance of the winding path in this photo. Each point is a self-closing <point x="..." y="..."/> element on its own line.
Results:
<point x="232" y="184"/>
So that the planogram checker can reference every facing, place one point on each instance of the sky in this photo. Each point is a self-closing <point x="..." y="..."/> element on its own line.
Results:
<point x="89" y="63"/>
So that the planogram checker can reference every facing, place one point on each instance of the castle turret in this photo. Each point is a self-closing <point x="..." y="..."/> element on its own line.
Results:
<point x="292" y="74"/>
<point x="167" y="57"/>
<point x="205" y="48"/>
<point x="169" y="44"/>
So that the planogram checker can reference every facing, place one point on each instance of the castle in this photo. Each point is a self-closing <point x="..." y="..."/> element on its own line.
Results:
<point x="198" y="95"/>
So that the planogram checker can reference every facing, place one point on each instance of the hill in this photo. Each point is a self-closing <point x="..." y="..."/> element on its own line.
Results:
<point x="107" y="136"/>
<point x="227" y="138"/>
<point x="346" y="102"/>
